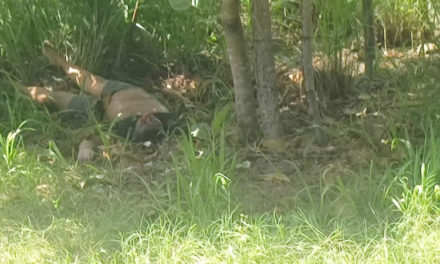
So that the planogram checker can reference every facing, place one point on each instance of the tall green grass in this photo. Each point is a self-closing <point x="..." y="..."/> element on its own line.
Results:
<point x="191" y="37"/>
<point x="52" y="210"/>
<point x="375" y="218"/>
<point x="85" y="30"/>
<point x="11" y="148"/>
<point x="23" y="26"/>
<point x="94" y="30"/>
<point x="93" y="33"/>
<point x="205" y="170"/>
<point x="408" y="22"/>
<point x="337" y="27"/>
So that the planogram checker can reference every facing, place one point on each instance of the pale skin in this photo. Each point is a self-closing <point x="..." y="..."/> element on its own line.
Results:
<point x="121" y="104"/>
<point x="59" y="99"/>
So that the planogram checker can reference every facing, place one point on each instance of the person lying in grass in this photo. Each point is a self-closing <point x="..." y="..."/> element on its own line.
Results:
<point x="136" y="114"/>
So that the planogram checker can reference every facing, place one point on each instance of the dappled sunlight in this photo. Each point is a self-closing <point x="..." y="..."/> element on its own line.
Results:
<point x="76" y="74"/>
<point x="38" y="94"/>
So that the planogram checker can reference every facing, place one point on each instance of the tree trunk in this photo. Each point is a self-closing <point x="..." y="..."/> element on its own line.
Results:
<point x="307" y="56"/>
<point x="369" y="38"/>
<point x="265" y="71"/>
<point x="245" y="102"/>
<point x="309" y="81"/>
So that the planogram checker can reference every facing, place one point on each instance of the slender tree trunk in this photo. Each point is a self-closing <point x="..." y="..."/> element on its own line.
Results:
<point x="245" y="102"/>
<point x="312" y="95"/>
<point x="265" y="71"/>
<point x="369" y="38"/>
<point x="307" y="49"/>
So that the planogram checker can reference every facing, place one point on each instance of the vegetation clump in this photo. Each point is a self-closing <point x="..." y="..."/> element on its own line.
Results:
<point x="207" y="194"/>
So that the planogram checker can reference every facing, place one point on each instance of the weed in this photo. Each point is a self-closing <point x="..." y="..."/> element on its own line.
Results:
<point x="407" y="22"/>
<point x="205" y="170"/>
<point x="65" y="213"/>
<point x="11" y="149"/>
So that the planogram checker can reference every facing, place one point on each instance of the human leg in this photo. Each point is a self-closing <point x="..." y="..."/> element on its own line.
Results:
<point x="91" y="83"/>
<point x="58" y="99"/>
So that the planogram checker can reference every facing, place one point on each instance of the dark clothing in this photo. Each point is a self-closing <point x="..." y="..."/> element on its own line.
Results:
<point x="82" y="107"/>
<point x="79" y="110"/>
<point x="111" y="87"/>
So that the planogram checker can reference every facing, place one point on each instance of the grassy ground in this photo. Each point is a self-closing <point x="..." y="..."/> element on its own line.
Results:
<point x="370" y="196"/>
<point x="376" y="204"/>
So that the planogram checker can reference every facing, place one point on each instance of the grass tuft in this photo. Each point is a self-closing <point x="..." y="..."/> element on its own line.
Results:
<point x="205" y="169"/>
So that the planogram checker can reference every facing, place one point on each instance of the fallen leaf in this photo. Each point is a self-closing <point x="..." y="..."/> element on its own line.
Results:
<point x="275" y="177"/>
<point x="245" y="165"/>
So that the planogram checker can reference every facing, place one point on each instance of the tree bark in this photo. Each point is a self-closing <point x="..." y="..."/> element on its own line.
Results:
<point x="265" y="71"/>
<point x="307" y="56"/>
<point x="369" y="38"/>
<point x="245" y="102"/>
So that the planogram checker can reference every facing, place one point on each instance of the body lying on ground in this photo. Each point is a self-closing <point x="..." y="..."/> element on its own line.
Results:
<point x="137" y="115"/>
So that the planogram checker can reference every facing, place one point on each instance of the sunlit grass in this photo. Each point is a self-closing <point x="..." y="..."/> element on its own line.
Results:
<point x="267" y="239"/>
<point x="53" y="210"/>
<point x="204" y="171"/>
<point x="47" y="217"/>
